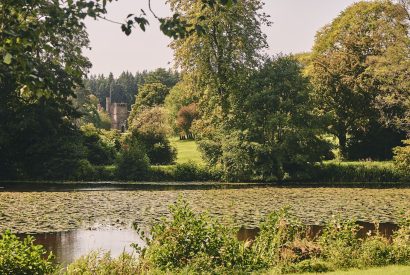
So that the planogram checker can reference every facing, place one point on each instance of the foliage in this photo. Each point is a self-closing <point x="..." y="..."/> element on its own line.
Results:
<point x="23" y="257"/>
<point x="42" y="64"/>
<point x="191" y="171"/>
<point x="347" y="71"/>
<point x="196" y="243"/>
<point x="185" y="117"/>
<point x="215" y="65"/>
<point x="100" y="149"/>
<point x="282" y="135"/>
<point x="158" y="148"/>
<point x="359" y="172"/>
<point x="132" y="163"/>
<point x="375" y="143"/>
<point x="193" y="240"/>
<point x="149" y="95"/>
<point x="402" y="158"/>
<point x="125" y="87"/>
<point x="151" y="121"/>
<point x="151" y="128"/>
<point x="102" y="263"/>
<point x="180" y="95"/>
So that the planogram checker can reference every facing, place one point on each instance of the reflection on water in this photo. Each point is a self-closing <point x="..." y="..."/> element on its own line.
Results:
<point x="69" y="246"/>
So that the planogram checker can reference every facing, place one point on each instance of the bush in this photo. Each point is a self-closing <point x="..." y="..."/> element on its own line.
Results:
<point x="191" y="171"/>
<point x="100" y="150"/>
<point x="194" y="241"/>
<point x="339" y="243"/>
<point x="158" y="148"/>
<point x="102" y="263"/>
<point x="151" y="129"/>
<point x="360" y="172"/>
<point x="132" y="163"/>
<point x="402" y="159"/>
<point x="24" y="257"/>
<point x="375" y="251"/>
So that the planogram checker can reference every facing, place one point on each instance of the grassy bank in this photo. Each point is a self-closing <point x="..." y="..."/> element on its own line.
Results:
<point x="388" y="270"/>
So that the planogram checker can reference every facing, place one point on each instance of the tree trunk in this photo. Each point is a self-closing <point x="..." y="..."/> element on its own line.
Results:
<point x="342" y="144"/>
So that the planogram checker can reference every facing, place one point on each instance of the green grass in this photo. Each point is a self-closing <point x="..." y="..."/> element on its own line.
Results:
<point x="376" y="164"/>
<point x="187" y="150"/>
<point x="388" y="270"/>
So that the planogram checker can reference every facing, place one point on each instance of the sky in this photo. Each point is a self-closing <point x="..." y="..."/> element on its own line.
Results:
<point x="295" y="23"/>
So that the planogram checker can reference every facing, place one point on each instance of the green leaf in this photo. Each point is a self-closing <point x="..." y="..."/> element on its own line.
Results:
<point x="7" y="58"/>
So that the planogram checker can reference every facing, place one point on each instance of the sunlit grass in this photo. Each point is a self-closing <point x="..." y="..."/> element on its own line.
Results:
<point x="187" y="150"/>
<point x="388" y="270"/>
<point x="376" y="164"/>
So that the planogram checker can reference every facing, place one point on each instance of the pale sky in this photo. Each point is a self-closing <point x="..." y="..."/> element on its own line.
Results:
<point x="295" y="23"/>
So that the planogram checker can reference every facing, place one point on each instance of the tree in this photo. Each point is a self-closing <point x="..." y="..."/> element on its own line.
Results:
<point x="217" y="63"/>
<point x="346" y="89"/>
<point x="180" y="95"/>
<point x="150" y="127"/>
<point x="185" y="117"/>
<point x="150" y="95"/>
<point x="42" y="64"/>
<point x="166" y="77"/>
<point x="282" y="135"/>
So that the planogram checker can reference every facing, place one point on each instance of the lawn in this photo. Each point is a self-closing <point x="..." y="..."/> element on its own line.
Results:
<point x="187" y="150"/>
<point x="389" y="270"/>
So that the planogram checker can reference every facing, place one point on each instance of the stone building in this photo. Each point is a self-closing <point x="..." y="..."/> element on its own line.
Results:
<point x="118" y="113"/>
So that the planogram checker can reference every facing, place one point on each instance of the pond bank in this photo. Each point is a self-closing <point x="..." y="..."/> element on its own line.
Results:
<point x="66" y="186"/>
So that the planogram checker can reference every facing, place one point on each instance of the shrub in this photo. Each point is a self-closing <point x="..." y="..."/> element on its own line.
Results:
<point x="191" y="171"/>
<point x="195" y="241"/>
<point x="150" y="128"/>
<point x="275" y="241"/>
<point x="23" y="257"/>
<point x="361" y="172"/>
<point x="375" y="251"/>
<point x="158" y="149"/>
<point x="402" y="159"/>
<point x="102" y="263"/>
<point x="401" y="241"/>
<point x="132" y="163"/>
<point x="100" y="150"/>
<point x="339" y="243"/>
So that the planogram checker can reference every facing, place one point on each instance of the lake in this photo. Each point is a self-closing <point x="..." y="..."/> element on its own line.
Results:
<point x="101" y="218"/>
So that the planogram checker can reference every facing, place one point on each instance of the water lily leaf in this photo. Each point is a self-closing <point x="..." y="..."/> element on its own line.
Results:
<point x="7" y="58"/>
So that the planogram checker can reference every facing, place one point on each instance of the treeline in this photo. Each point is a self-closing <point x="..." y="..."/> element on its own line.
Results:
<point x="125" y="87"/>
<point x="254" y="118"/>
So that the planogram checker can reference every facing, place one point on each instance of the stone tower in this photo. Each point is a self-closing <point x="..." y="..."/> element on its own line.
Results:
<point x="118" y="113"/>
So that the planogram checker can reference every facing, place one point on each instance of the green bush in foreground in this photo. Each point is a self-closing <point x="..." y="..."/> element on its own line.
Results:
<point x="195" y="243"/>
<point x="103" y="263"/>
<point x="402" y="159"/>
<point x="23" y="257"/>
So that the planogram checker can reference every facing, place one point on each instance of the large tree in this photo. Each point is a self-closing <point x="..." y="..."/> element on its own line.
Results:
<point x="341" y="65"/>
<point x="216" y="63"/>
<point x="40" y="46"/>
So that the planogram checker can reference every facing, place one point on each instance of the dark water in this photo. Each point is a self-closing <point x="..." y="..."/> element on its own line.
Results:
<point x="120" y="186"/>
<point x="69" y="246"/>
<point x="385" y="229"/>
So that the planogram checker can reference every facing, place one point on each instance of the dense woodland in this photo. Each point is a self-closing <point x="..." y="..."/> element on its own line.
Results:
<point x="254" y="117"/>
